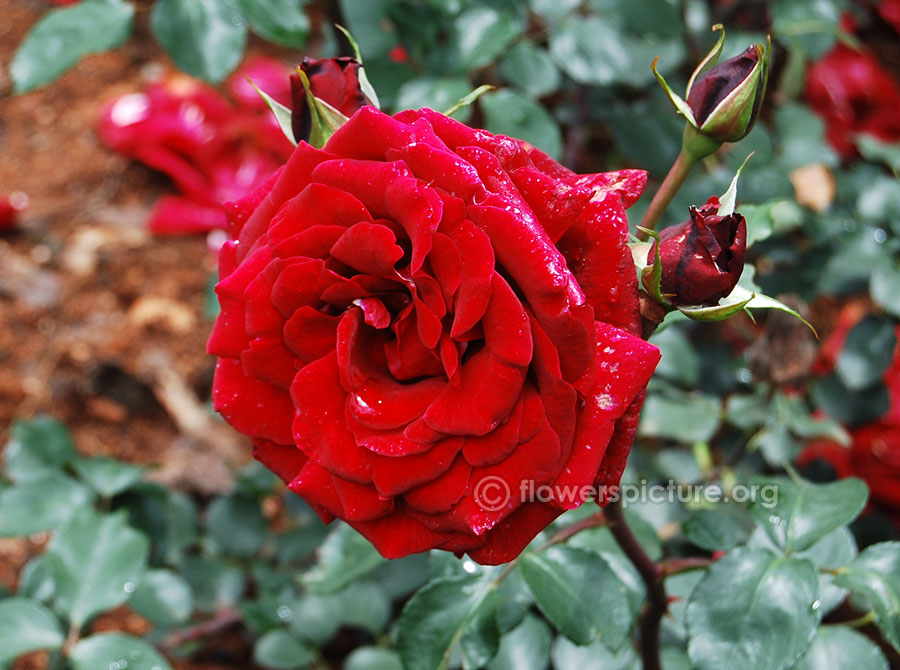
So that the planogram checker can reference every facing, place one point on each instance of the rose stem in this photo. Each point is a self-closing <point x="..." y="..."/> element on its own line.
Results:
<point x="652" y="574"/>
<point x="679" y="171"/>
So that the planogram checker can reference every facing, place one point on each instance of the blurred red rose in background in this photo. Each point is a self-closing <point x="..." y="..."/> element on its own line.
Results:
<point x="215" y="150"/>
<point x="851" y="91"/>
<point x="420" y="320"/>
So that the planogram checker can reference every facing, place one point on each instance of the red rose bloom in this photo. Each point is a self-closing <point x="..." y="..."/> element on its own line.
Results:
<point x="853" y="94"/>
<point x="422" y="319"/>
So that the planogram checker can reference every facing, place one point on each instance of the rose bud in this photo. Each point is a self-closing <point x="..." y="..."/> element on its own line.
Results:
<point x="723" y="101"/>
<point x="336" y="82"/>
<point x="702" y="259"/>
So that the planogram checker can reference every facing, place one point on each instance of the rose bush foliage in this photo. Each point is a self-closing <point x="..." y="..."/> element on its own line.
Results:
<point x="419" y="307"/>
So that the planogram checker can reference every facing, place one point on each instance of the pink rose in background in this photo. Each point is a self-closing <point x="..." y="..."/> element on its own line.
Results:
<point x="215" y="150"/>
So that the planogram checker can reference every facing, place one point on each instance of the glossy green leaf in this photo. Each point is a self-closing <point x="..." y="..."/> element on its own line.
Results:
<point x="40" y="504"/>
<point x="767" y="619"/>
<point x="595" y="656"/>
<point x="281" y="21"/>
<point x="435" y="93"/>
<point x="107" y="476"/>
<point x="590" y="51"/>
<point x="481" y="33"/>
<point x="842" y="648"/>
<point x="97" y="562"/>
<point x="163" y="597"/>
<point x="373" y="658"/>
<point x="682" y="417"/>
<point x="710" y="529"/>
<point x="237" y="524"/>
<point x="344" y="556"/>
<point x="37" y="447"/>
<point x="282" y="116"/>
<point x="805" y="512"/>
<point x="63" y="36"/>
<point x="875" y="575"/>
<point x="204" y="38"/>
<point x="279" y="650"/>
<point x="434" y="617"/>
<point x="525" y="647"/>
<point x="508" y="113"/>
<point x="530" y="68"/>
<point x="579" y="593"/>
<point x="867" y="352"/>
<point x="214" y="583"/>
<point x="116" y="651"/>
<point x="26" y="625"/>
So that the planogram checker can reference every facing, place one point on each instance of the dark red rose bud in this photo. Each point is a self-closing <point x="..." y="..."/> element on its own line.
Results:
<point x="702" y="259"/>
<point x="740" y="81"/>
<point x="334" y="81"/>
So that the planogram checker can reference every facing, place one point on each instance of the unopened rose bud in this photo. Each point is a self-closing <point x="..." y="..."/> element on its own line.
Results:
<point x="332" y="81"/>
<point x="722" y="102"/>
<point x="702" y="259"/>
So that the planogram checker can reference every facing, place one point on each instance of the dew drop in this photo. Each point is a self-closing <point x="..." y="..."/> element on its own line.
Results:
<point x="128" y="587"/>
<point x="284" y="613"/>
<point x="816" y="605"/>
<point x="469" y="566"/>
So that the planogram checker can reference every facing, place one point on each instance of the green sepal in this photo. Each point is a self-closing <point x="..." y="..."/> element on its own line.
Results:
<point x="325" y="118"/>
<point x="650" y="275"/>
<point x="728" y="199"/>
<point x="680" y="104"/>
<point x="364" y="83"/>
<point x="282" y="113"/>
<point x="709" y="61"/>
<point x="469" y="98"/>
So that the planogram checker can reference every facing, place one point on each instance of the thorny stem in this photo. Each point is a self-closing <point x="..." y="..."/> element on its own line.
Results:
<point x="652" y="574"/>
<point x="679" y="171"/>
<point x="674" y="566"/>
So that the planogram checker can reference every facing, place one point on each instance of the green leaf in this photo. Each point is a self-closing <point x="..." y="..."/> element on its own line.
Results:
<point x="805" y="512"/>
<point x="765" y="622"/>
<point x="847" y="406"/>
<point x="433" y="619"/>
<point x="38" y="447"/>
<point x="40" y="504"/>
<point x="884" y="286"/>
<point x="26" y="625"/>
<point x="526" y="647"/>
<point x="204" y="38"/>
<point x="106" y="476"/>
<point x="469" y="99"/>
<point x="683" y="417"/>
<point x="365" y="605"/>
<point x="874" y="149"/>
<point x="875" y="575"/>
<point x="63" y="36"/>
<point x="435" y="93"/>
<point x="579" y="593"/>
<point x="215" y="584"/>
<point x="317" y="618"/>
<point x="169" y="518"/>
<point x="867" y="352"/>
<point x="163" y="597"/>
<point x="728" y="200"/>
<point x="711" y="529"/>
<point x="776" y="444"/>
<point x="595" y="656"/>
<point x="373" y="658"/>
<point x="841" y="648"/>
<point x="680" y="362"/>
<point x="97" y="562"/>
<point x="36" y="579"/>
<point x="508" y="113"/>
<point x="281" y="21"/>
<point x="728" y="306"/>
<point x="237" y="524"/>
<point x="116" y="651"/>
<point x="480" y="34"/>
<point x="279" y="650"/>
<point x="345" y="556"/>
<point x="480" y="638"/>
<point x="589" y="50"/>
<point x="771" y="219"/>
<point x="531" y="69"/>
<point x="833" y="551"/>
